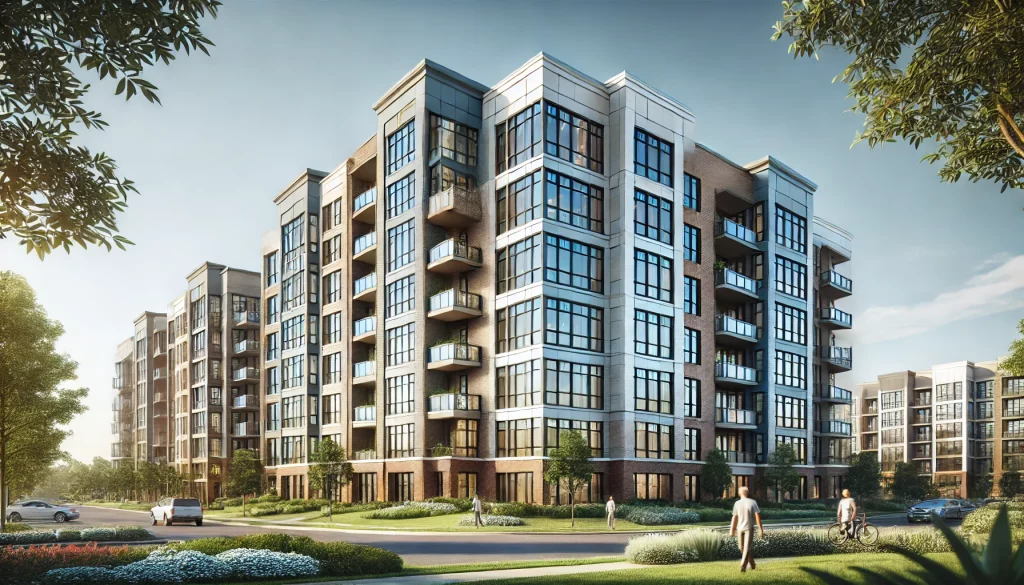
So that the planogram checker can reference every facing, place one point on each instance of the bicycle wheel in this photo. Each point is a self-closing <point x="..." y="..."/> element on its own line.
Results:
<point x="836" y="534"/>
<point x="868" y="534"/>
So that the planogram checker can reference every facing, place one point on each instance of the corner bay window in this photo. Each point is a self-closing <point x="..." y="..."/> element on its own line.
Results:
<point x="401" y="440"/>
<point x="564" y="200"/>
<point x="452" y="140"/>
<point x="565" y="136"/>
<point x="565" y="323"/>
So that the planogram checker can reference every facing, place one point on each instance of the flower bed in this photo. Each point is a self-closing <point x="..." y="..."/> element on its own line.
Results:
<point x="522" y="510"/>
<point x="28" y="565"/>
<point x="97" y="534"/>
<point x="656" y="515"/>
<point x="492" y="520"/>
<point x="412" y="510"/>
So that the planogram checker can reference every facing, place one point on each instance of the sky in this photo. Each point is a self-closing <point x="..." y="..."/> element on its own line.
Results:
<point x="938" y="268"/>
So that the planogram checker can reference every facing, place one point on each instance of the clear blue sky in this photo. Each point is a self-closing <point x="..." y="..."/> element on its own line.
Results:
<point x="938" y="269"/>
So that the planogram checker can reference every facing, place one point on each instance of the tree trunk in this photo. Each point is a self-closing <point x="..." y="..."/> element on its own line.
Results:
<point x="243" y="505"/>
<point x="330" y="502"/>
<point x="3" y="487"/>
<point x="572" y="508"/>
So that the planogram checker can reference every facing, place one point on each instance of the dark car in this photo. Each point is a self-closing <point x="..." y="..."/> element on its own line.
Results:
<point x="943" y="508"/>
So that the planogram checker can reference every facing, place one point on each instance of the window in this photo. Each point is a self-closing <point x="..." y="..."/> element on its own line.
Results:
<point x="691" y="488"/>
<point x="790" y="230"/>
<point x="401" y="195"/>
<point x="573" y="264"/>
<point x="591" y="431"/>
<point x="332" y="249"/>
<point x="332" y="409"/>
<point x="790" y="413"/>
<point x="573" y="202"/>
<point x="465" y="485"/>
<point x="691" y="295"/>
<point x="691" y="397"/>
<point x="292" y="240"/>
<point x="799" y="446"/>
<point x="947" y="392"/>
<point x="519" y="325"/>
<point x="402" y="147"/>
<point x="293" y="291"/>
<point x="332" y="287"/>
<point x="401" y="440"/>
<point x="273" y="350"/>
<point x="400" y="296"/>
<point x="519" y="438"/>
<point x="443" y="178"/>
<point x="293" y="332"/>
<point x="892" y="400"/>
<point x="652" y="217"/>
<point x="575" y="385"/>
<point x="400" y="393"/>
<point x="949" y="411"/>
<point x="691" y="192"/>
<point x="400" y="344"/>
<point x="332" y="215"/>
<point x="400" y="245"/>
<point x="653" y="334"/>
<point x="653" y="486"/>
<point x="273" y="381"/>
<point x="691" y="346"/>
<point x="292" y="412"/>
<point x="274" y="416"/>
<point x="790" y="277"/>
<point x="272" y="310"/>
<point x="462" y="437"/>
<point x="572" y="138"/>
<point x="691" y="444"/>
<point x="271" y="268"/>
<point x="366" y="487"/>
<point x="790" y="369"/>
<point x="519" y="384"/>
<point x="653" y="441"/>
<point x="518" y="139"/>
<point x="984" y="389"/>
<point x="452" y="140"/>
<point x="652" y="157"/>
<point x="790" y="324"/>
<point x="653" y="275"/>
<point x="519" y="203"/>
<point x="401" y="487"/>
<point x="589" y="492"/>
<point x="573" y="325"/>
<point x="691" y="243"/>
<point x="292" y="371"/>
<point x="515" y="487"/>
<point x="332" y="328"/>
<point x="956" y="430"/>
<point x="519" y="264"/>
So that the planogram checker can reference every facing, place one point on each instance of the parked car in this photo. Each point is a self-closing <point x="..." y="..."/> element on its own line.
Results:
<point x="943" y="508"/>
<point x="39" y="510"/>
<point x="170" y="510"/>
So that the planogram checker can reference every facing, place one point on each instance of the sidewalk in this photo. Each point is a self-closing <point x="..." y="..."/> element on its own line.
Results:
<point x="487" y="575"/>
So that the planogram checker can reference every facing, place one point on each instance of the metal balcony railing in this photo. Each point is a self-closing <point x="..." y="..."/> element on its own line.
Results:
<point x="454" y="298"/>
<point x="727" y="324"/>
<point x="726" y="226"/>
<point x="363" y="199"/>
<point x="735" y="279"/>
<point x="455" y="248"/>
<point x="834" y="314"/>
<point x="735" y="416"/>
<point x="454" y="351"/>
<point x="838" y="280"/>
<point x="735" y="372"/>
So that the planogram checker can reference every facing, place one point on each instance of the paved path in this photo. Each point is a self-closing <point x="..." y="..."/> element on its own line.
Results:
<point x="487" y="575"/>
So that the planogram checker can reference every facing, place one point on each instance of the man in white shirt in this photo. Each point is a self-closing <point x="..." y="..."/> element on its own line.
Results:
<point x="846" y="514"/>
<point x="478" y="509"/>
<point x="745" y="514"/>
<point x="609" y="510"/>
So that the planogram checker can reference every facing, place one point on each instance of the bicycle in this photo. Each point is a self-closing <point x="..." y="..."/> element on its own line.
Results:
<point x="865" y="533"/>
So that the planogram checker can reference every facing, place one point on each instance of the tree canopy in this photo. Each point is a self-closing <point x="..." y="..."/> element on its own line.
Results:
<point x="948" y="72"/>
<point x="715" y="475"/>
<point x="907" y="484"/>
<point x="54" y="193"/>
<point x="569" y="466"/>
<point x="245" y="475"/>
<point x="864" y="479"/>
<point x="329" y="469"/>
<point x="781" y="474"/>
<point x="1014" y="363"/>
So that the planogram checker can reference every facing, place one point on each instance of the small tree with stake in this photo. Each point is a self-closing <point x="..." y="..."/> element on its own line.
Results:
<point x="569" y="466"/>
<point x="245" y="475"/>
<point x="329" y="467"/>
<point x="781" y="472"/>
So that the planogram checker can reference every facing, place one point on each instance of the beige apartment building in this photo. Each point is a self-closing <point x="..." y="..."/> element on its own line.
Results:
<point x="500" y="263"/>
<point x="953" y="422"/>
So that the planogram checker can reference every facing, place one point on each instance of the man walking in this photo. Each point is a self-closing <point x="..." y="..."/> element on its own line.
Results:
<point x="478" y="509"/>
<point x="609" y="510"/>
<point x="745" y="514"/>
<point x="846" y="514"/>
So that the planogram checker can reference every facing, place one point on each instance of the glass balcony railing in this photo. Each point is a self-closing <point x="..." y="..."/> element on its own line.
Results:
<point x="366" y="413"/>
<point x="454" y="248"/>
<point x="834" y="314"/>
<point x="245" y="401"/>
<point x="364" y="326"/>
<point x="247" y="345"/>
<point x="365" y="283"/>
<point x="728" y="227"/>
<point x="454" y="351"/>
<point x="247" y="428"/>
<point x="247" y="318"/>
<point x="837" y="280"/>
<point x="738" y="457"/>
<point x="454" y="401"/>
<point x="364" y="454"/>
<point x="246" y="374"/>
<point x="363" y="242"/>
<point x="735" y="416"/>
<point x="363" y="199"/>
<point x="363" y="369"/>
<point x="727" y="324"/>
<point x="735" y="372"/>
<point x="725" y="276"/>
<point x="841" y="356"/>
<point x="453" y="298"/>
<point x="837" y="393"/>
<point x="835" y="427"/>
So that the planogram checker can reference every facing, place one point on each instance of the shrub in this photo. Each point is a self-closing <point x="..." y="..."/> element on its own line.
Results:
<point x="461" y="504"/>
<point x="786" y="542"/>
<point x="293" y="509"/>
<point x="263" y="564"/>
<point x="232" y="502"/>
<point x="65" y="535"/>
<point x="268" y="498"/>
<point x="128" y="533"/>
<point x="701" y="545"/>
<point x="925" y="541"/>
<point x="342" y="559"/>
<point x="796" y="514"/>
<point x="16" y="527"/>
<point x="655" y="549"/>
<point x="215" y="506"/>
<point x="714" y="515"/>
<point x="412" y="510"/>
<point x="26" y="565"/>
<point x="492" y="520"/>
<point x="982" y="520"/>
<point x="522" y="510"/>
<point x="656" y="515"/>
<point x="29" y="537"/>
<point x="99" y="533"/>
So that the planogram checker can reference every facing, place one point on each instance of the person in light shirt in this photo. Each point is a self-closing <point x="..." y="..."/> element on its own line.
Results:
<point x="846" y="514"/>
<point x="745" y="514"/>
<point x="609" y="509"/>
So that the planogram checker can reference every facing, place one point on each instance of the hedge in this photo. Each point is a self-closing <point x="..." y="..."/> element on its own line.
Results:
<point x="28" y="565"/>
<point x="981" y="520"/>
<point x="412" y="510"/>
<point x="96" y="534"/>
<point x="492" y="520"/>
<point x="656" y="516"/>
<point x="521" y="510"/>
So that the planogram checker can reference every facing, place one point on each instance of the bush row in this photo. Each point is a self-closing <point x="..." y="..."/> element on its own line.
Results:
<point x="96" y="534"/>
<point x="28" y="565"/>
<point x="412" y="510"/>
<point x="492" y="520"/>
<point x="656" y="516"/>
<point x="981" y="520"/>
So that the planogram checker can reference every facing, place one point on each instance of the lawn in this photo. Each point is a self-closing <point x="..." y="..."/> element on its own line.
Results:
<point x="448" y="523"/>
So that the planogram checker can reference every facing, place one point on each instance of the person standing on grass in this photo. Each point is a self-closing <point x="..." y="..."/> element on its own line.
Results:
<point x="846" y="514"/>
<point x="609" y="509"/>
<point x="745" y="514"/>
<point x="478" y="509"/>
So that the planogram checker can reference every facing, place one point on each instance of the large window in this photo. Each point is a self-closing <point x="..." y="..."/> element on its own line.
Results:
<point x="572" y="138"/>
<point x="400" y="486"/>
<point x="332" y="328"/>
<point x="332" y="249"/>
<point x="691" y="192"/>
<point x="292" y="332"/>
<point x="653" y="441"/>
<point x="892" y="400"/>
<point x="572" y="384"/>
<point x="691" y="397"/>
<point x="332" y="287"/>
<point x="790" y="413"/>
<point x="592" y="432"/>
<point x="790" y="324"/>
<point x="272" y="310"/>
<point x="293" y="291"/>
<point x="949" y="411"/>
<point x="691" y="243"/>
<point x="519" y="203"/>
<point x="291" y="409"/>
<point x="691" y="295"/>
<point x="652" y="217"/>
<point x="519" y="264"/>
<point x="790" y="277"/>
<point x="589" y="492"/>
<point x="691" y="444"/>
<point x="790" y="230"/>
<point x="799" y="446"/>
<point x="443" y="178"/>
<point x="515" y="487"/>
<point x="273" y="381"/>
<point x="365" y="487"/>
<point x="893" y="418"/>
<point x="292" y="368"/>
<point x="519" y="384"/>
<point x="573" y="325"/>
<point x="462" y="437"/>
<point x="691" y="346"/>
<point x="401" y="394"/>
<point x="400" y="245"/>
<point x="573" y="264"/>
<point x="400" y="296"/>
<point x="519" y="325"/>
<point x="653" y="334"/>
<point x="652" y="391"/>
<point x="401" y="343"/>
<point x="947" y="392"/>
<point x="519" y="438"/>
<point x="518" y="139"/>
<point x="401" y="440"/>
<point x="402" y="147"/>
<point x="652" y="157"/>
<point x="573" y="202"/>
<point x="790" y="369"/>
<point x="271" y="268"/>
<point x="401" y="195"/>
<point x="332" y="407"/>
<point x="452" y="140"/>
<point x="653" y="276"/>
<point x="653" y="486"/>
<point x="272" y="348"/>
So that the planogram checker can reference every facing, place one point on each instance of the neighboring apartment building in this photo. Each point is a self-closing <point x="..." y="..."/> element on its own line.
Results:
<point x="498" y="264"/>
<point x="953" y="422"/>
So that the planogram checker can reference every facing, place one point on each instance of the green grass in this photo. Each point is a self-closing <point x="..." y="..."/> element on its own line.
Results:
<point x="235" y="513"/>
<point x="355" y="521"/>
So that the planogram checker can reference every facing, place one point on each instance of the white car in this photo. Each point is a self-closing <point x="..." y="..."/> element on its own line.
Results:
<point x="40" y="510"/>
<point x="171" y="510"/>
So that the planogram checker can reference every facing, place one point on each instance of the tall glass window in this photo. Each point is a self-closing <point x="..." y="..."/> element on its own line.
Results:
<point x="573" y="202"/>
<point x="400" y="394"/>
<point x="652" y="217"/>
<point x="691" y="295"/>
<point x="790" y="277"/>
<point x="691" y="192"/>
<point x="653" y="276"/>
<point x="400" y="296"/>
<point x="573" y="138"/>
<point x="518" y="139"/>
<point x="402" y="147"/>
<point x="401" y="195"/>
<point x="790" y="324"/>
<point x="400" y="245"/>
<point x="573" y="263"/>
<point x="401" y="344"/>
<point x="573" y="325"/>
<point x="691" y="243"/>
<point x="452" y="140"/>
<point x="652" y="157"/>
<point x="790" y="369"/>
<point x="652" y="391"/>
<point x="653" y="334"/>
<point x="572" y="384"/>
<point x="790" y="230"/>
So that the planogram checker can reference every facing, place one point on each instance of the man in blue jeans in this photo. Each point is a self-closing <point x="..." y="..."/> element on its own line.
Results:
<point x="745" y="515"/>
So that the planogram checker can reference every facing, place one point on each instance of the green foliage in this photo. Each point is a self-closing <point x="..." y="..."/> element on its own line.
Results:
<point x="981" y="485"/>
<point x="329" y="469"/>
<point x="1014" y="363"/>
<point x="1010" y="484"/>
<point x="523" y="510"/>
<point x="946" y="71"/>
<point x="12" y="527"/>
<point x="983" y="520"/>
<point x="656" y="515"/>
<point x="715" y="475"/>
<point x="864" y="479"/>
<point x="56" y="194"/>
<point x="907" y="485"/>
<point x="569" y="466"/>
<point x="781" y="474"/>
<point x="245" y="475"/>
<point x="461" y="504"/>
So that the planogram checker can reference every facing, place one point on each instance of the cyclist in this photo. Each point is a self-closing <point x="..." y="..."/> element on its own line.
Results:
<point x="846" y="514"/>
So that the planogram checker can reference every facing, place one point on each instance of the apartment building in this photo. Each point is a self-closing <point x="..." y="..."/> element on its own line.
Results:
<point x="548" y="253"/>
<point x="954" y="422"/>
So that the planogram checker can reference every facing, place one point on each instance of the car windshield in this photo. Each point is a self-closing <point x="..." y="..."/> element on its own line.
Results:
<point x="931" y="504"/>
<point x="187" y="502"/>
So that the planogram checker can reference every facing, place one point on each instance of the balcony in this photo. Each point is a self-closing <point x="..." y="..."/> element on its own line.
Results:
<point x="838" y="359"/>
<point x="735" y="418"/>
<point x="732" y="331"/>
<point x="832" y="460"/>
<point x="920" y="438"/>
<point x="247" y="347"/>
<point x="364" y="206"/>
<point x="921" y="420"/>
<point x="452" y="256"/>
<point x="455" y="207"/>
<point x="247" y="375"/>
<point x="738" y="456"/>
<point x="734" y="240"/>
<point x="870" y="444"/>
<point x="365" y="330"/>
<point x="159" y="349"/>
<point x="832" y="393"/>
<point x="364" y="417"/>
<point x="735" y="375"/>
<point x="454" y="305"/>
<point x="840" y="428"/>
<point x="1013" y="413"/>
<point x="453" y="405"/>
<point x="364" y="248"/>
<point x="247" y="319"/>
<point x="833" y="318"/>
<point x="364" y="372"/>
<point x="365" y="288"/>
<point x="735" y="287"/>
<point x="364" y="455"/>
<point x="921" y="454"/>
<point x="835" y="285"/>
<point x="1013" y="390"/>
<point x="159" y="373"/>
<point x="450" y="357"/>
<point x="922" y="401"/>
<point x="121" y="383"/>
<point x="245" y="401"/>
<point x="159" y="397"/>
<point x="244" y="429"/>
<point x="870" y="410"/>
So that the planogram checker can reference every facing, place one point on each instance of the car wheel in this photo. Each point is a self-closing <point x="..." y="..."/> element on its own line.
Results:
<point x="60" y="517"/>
<point x="14" y="517"/>
<point x="199" y="522"/>
<point x="153" y="518"/>
<point x="168" y="521"/>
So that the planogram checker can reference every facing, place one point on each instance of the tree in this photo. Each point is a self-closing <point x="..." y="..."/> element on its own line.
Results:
<point x="569" y="466"/>
<point x="53" y="193"/>
<point x="245" y="475"/>
<point x="329" y="467"/>
<point x="864" y="478"/>
<point x="781" y="474"/>
<point x="907" y="484"/>
<point x="1014" y="363"/>
<point x="1010" y="484"/>
<point x="32" y="406"/>
<point x="125" y="479"/>
<point x="961" y="87"/>
<point x="981" y="486"/>
<point x="716" y="474"/>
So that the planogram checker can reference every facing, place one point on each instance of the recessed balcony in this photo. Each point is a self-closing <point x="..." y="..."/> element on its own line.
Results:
<point x="735" y="287"/>
<point x="838" y="254"/>
<point x="735" y="418"/>
<point x="245" y="401"/>
<point x="365" y="288"/>
<point x="364" y="206"/>
<point x="159" y="373"/>
<point x="454" y="207"/>
<point x="738" y="456"/>
<point x="364" y="416"/>
<point x="833" y="318"/>
<point x="450" y="357"/>
<point x="835" y="285"/>
<point x="839" y="428"/>
<point x="247" y="319"/>
<point x="247" y="347"/>
<point x="159" y="397"/>
<point x="735" y="375"/>
<point x="364" y="372"/>
<point x="453" y="405"/>
<point x="247" y="375"/>
<point x="364" y="248"/>
<point x="452" y="256"/>
<point x="365" y="330"/>
<point x="733" y="239"/>
<point x="159" y="349"/>
<point x="246" y="429"/>
<point x="832" y="393"/>
<point x="732" y="331"/>
<point x="454" y="305"/>
<point x="837" y="359"/>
